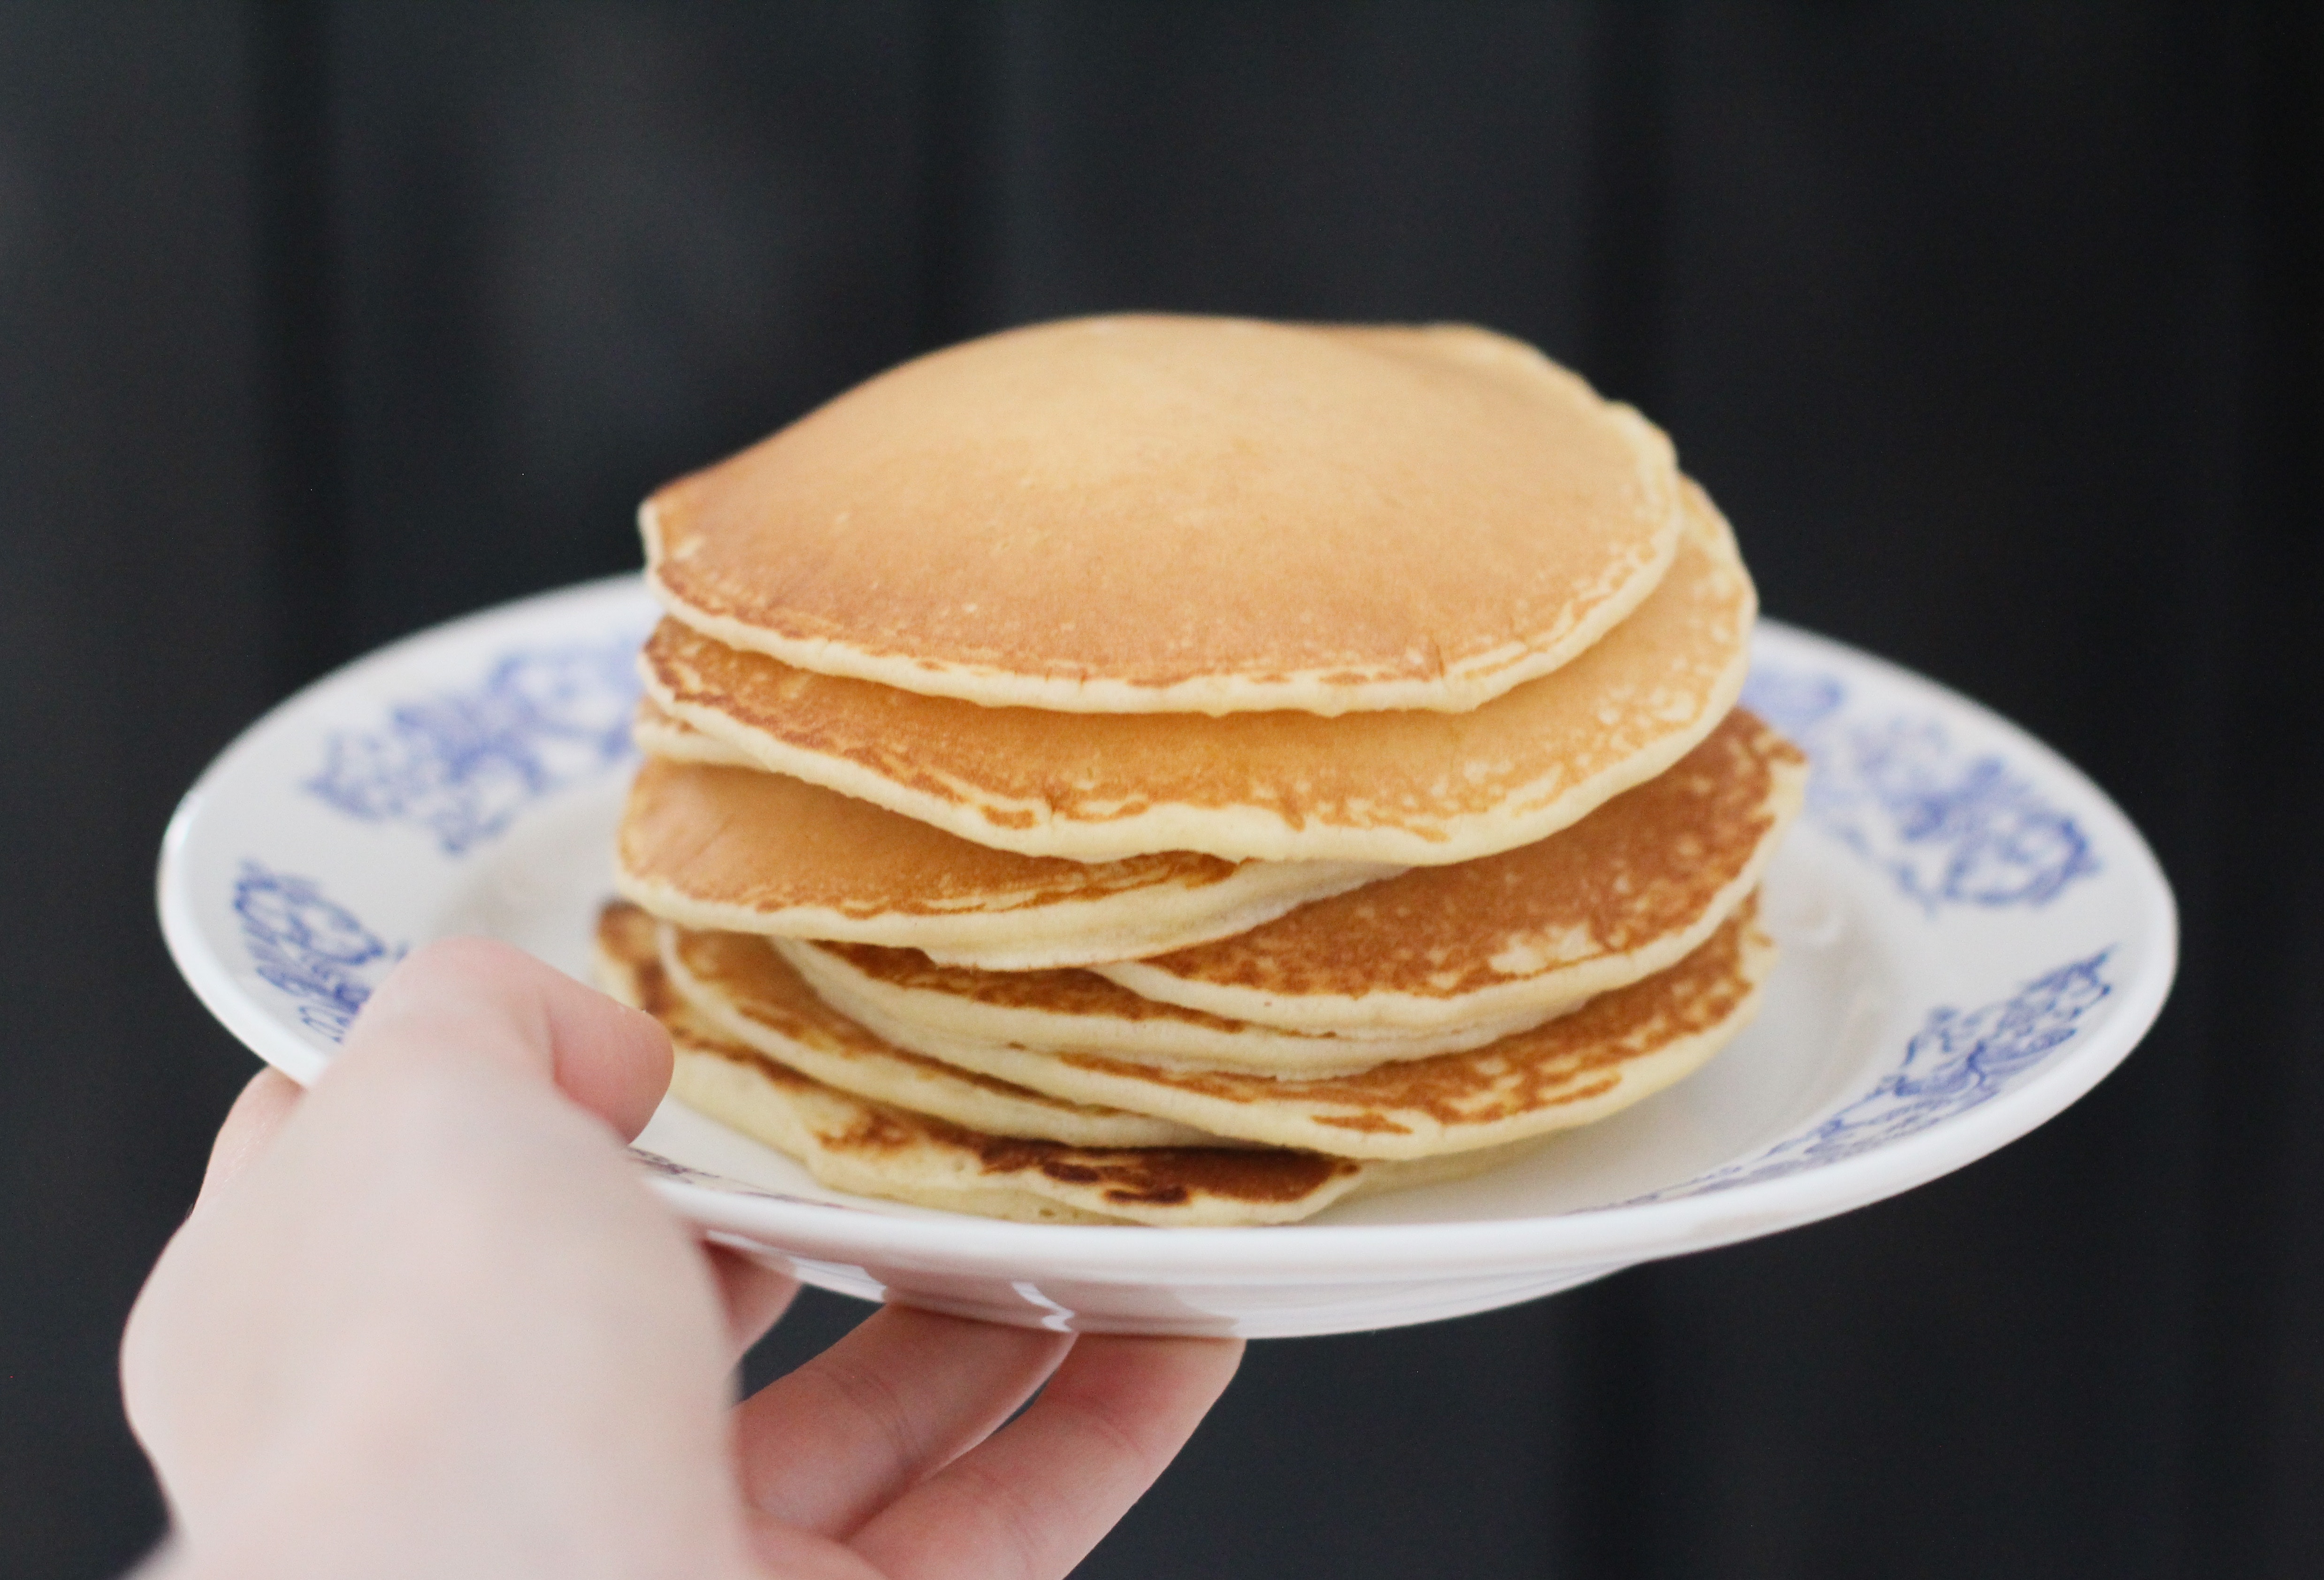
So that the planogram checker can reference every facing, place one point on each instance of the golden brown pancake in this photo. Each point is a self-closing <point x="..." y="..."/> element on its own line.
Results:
<point x="1623" y="894"/>
<point x="1437" y="961"/>
<point x="748" y="851"/>
<point x="933" y="1009"/>
<point x="819" y="1042"/>
<point x="1407" y="788"/>
<point x="876" y="1149"/>
<point x="1184" y="515"/>
<point x="1616" y="1050"/>
<point x="657" y="735"/>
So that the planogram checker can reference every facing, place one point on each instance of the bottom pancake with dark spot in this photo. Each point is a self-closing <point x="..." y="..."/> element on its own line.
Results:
<point x="1618" y="1048"/>
<point x="854" y="1145"/>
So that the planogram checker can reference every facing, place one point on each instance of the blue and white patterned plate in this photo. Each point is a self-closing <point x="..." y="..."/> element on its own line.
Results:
<point x="1972" y="937"/>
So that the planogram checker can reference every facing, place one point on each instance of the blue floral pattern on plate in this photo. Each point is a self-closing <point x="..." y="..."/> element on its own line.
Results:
<point x="1950" y="828"/>
<point x="309" y="948"/>
<point x="1956" y="1061"/>
<point x="462" y="765"/>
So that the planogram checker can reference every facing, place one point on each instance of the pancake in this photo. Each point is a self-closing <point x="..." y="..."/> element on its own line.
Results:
<point x="825" y="1044"/>
<point x="1439" y="960"/>
<point x="657" y="735"/>
<point x="1181" y="515"/>
<point x="851" y="1143"/>
<point x="1410" y="789"/>
<point x="746" y="851"/>
<point x="1619" y="1048"/>
<point x="1623" y="894"/>
<point x="933" y="1009"/>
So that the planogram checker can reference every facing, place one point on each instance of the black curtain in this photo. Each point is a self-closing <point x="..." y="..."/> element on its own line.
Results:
<point x="1993" y="326"/>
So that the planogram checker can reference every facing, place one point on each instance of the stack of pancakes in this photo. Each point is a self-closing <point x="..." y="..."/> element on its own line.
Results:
<point x="1184" y="771"/>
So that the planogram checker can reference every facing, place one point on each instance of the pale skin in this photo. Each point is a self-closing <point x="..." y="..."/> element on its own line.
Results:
<point x="427" y="1320"/>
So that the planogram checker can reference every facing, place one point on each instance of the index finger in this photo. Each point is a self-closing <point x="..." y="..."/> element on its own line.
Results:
<point x="1038" y="1495"/>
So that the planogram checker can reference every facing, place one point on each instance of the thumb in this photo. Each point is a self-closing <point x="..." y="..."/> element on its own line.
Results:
<point x="473" y="998"/>
<point x="265" y="1103"/>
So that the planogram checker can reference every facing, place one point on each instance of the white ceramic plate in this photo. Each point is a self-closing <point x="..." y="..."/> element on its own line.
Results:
<point x="1972" y="937"/>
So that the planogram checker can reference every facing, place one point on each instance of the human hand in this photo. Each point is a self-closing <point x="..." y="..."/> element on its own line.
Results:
<point x="427" y="1320"/>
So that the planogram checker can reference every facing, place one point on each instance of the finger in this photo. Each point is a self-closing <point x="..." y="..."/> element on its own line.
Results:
<point x="799" y="1555"/>
<point x="902" y="1396"/>
<point x="265" y="1102"/>
<point x="1039" y="1495"/>
<point x="474" y="997"/>
<point x="755" y="1296"/>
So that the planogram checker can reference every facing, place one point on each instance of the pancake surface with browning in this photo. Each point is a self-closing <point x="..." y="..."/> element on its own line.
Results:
<point x="817" y="1040"/>
<point x="1619" y="1048"/>
<point x="935" y="1009"/>
<point x="1151" y="513"/>
<point x="854" y="1145"/>
<point x="741" y="849"/>
<point x="1404" y="788"/>
<point x="1624" y="893"/>
<point x="657" y="735"/>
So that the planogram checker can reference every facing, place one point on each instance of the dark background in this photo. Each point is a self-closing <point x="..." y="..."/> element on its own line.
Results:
<point x="1994" y="327"/>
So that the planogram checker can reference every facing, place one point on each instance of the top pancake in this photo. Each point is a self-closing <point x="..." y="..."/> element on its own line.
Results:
<point x="1158" y="514"/>
<point x="1410" y="788"/>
